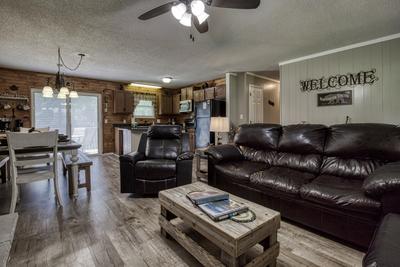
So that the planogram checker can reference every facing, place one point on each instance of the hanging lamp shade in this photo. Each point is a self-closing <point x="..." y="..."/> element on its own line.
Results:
<point x="186" y="20"/>
<point x="73" y="94"/>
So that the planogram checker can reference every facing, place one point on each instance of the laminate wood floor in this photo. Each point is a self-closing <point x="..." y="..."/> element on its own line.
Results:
<point x="107" y="228"/>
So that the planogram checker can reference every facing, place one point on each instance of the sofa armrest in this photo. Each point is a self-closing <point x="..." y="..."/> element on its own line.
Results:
<point x="224" y="153"/>
<point x="383" y="180"/>
<point x="185" y="156"/>
<point x="132" y="157"/>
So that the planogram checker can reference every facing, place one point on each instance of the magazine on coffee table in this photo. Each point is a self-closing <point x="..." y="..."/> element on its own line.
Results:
<point x="201" y="197"/>
<point x="222" y="209"/>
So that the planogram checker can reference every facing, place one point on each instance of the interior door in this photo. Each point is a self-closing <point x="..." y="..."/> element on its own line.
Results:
<point x="256" y="104"/>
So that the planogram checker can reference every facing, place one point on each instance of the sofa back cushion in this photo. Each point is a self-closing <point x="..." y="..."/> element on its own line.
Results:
<point x="303" y="139"/>
<point x="349" y="168"/>
<point x="258" y="136"/>
<point x="364" y="141"/>
<point x="163" y="142"/>
<point x="303" y="162"/>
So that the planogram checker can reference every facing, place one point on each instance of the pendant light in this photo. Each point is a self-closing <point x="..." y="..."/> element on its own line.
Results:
<point x="197" y="7"/>
<point x="202" y="17"/>
<point x="60" y="89"/>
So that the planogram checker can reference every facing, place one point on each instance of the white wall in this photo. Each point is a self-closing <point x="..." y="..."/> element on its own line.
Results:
<point x="377" y="103"/>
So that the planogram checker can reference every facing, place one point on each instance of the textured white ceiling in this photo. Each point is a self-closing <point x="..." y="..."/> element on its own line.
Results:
<point x="123" y="48"/>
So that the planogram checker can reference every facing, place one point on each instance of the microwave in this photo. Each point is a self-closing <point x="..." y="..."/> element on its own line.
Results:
<point x="185" y="106"/>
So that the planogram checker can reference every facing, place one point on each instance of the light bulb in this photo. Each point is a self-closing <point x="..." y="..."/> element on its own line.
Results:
<point x="64" y="90"/>
<point x="61" y="96"/>
<point x="47" y="91"/>
<point x="186" y="20"/>
<point x="167" y="79"/>
<point x="73" y="94"/>
<point x="197" y="7"/>
<point x="178" y="10"/>
<point x="202" y="17"/>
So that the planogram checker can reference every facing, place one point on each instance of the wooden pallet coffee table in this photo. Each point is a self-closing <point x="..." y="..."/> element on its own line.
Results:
<point x="234" y="239"/>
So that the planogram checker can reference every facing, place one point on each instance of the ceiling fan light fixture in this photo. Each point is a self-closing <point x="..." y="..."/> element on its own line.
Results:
<point x="197" y="7"/>
<point x="202" y="17"/>
<point x="186" y="20"/>
<point x="178" y="11"/>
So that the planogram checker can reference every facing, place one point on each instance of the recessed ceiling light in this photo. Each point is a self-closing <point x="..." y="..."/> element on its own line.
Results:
<point x="167" y="80"/>
<point x="145" y="85"/>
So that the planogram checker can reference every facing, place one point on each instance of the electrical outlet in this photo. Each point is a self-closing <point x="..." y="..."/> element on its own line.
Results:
<point x="105" y="121"/>
<point x="241" y="116"/>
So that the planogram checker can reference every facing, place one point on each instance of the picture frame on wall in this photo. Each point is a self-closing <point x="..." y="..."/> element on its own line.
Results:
<point x="338" y="98"/>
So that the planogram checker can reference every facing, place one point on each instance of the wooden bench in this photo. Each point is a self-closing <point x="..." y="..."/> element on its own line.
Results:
<point x="84" y="164"/>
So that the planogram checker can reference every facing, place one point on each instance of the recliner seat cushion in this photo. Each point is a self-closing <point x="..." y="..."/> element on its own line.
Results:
<point x="351" y="168"/>
<point x="239" y="171"/>
<point x="155" y="169"/>
<point x="284" y="180"/>
<point x="339" y="192"/>
<point x="303" y="139"/>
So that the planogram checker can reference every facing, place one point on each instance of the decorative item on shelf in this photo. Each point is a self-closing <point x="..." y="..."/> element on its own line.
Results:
<point x="219" y="125"/>
<point x="61" y="87"/>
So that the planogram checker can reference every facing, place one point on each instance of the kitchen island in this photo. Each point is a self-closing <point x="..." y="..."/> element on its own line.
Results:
<point x="127" y="137"/>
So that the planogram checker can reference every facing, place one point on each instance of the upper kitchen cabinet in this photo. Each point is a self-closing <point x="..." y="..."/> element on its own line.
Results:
<point x="220" y="92"/>
<point x="175" y="103"/>
<point x="198" y="95"/>
<point x="123" y="102"/>
<point x="165" y="104"/>
<point x="187" y="93"/>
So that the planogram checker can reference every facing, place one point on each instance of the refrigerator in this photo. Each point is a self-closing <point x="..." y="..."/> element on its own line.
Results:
<point x="204" y="111"/>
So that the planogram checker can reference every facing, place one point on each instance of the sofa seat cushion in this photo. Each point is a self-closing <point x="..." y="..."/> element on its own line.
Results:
<point x="155" y="169"/>
<point x="280" y="179"/>
<point x="239" y="171"/>
<point x="341" y="193"/>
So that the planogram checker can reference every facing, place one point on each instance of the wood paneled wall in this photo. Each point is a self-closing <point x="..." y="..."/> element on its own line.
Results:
<point x="376" y="103"/>
<point x="26" y="81"/>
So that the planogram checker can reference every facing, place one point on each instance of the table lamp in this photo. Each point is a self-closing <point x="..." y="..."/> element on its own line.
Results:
<point x="219" y="125"/>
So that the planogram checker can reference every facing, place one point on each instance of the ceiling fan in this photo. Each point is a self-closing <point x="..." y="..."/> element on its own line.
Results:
<point x="189" y="12"/>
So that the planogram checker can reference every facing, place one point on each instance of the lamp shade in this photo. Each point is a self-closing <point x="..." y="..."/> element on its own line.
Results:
<point x="219" y="124"/>
<point x="186" y="20"/>
<point x="178" y="10"/>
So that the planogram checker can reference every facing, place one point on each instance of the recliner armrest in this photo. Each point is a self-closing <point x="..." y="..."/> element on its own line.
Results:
<point x="132" y="157"/>
<point x="383" y="180"/>
<point x="185" y="156"/>
<point x="224" y="153"/>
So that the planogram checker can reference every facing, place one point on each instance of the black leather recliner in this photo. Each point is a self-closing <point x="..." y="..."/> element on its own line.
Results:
<point x="163" y="161"/>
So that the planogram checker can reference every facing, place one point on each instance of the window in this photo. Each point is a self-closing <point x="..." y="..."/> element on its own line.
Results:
<point x="144" y="109"/>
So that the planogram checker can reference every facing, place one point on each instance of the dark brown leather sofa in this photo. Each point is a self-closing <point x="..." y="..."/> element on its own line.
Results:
<point x="340" y="180"/>
<point x="163" y="161"/>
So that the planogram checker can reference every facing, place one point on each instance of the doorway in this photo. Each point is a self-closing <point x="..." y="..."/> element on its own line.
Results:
<point x="256" y="104"/>
<point x="80" y="118"/>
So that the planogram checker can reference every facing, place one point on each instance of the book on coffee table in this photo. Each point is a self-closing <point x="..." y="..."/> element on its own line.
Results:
<point x="201" y="197"/>
<point x="222" y="209"/>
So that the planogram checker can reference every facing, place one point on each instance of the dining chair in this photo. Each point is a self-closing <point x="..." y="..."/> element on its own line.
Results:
<point x="40" y="168"/>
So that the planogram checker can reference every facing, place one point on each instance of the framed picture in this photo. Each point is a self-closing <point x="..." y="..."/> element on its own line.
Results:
<point x="335" y="98"/>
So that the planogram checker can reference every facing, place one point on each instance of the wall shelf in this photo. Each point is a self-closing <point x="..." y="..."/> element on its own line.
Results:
<point x="14" y="98"/>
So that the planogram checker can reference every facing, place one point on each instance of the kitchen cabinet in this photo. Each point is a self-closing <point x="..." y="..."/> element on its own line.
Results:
<point x="220" y="92"/>
<point x="127" y="140"/>
<point x="209" y="93"/>
<point x="192" y="139"/>
<point x="175" y="103"/>
<point x="198" y="95"/>
<point x="165" y="104"/>
<point x="187" y="93"/>
<point x="123" y="102"/>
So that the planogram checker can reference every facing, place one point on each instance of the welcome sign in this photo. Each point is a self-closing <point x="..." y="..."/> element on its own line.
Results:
<point x="341" y="80"/>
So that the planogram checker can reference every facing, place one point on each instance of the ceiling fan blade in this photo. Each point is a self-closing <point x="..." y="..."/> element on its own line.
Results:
<point x="202" y="28"/>
<point x="157" y="11"/>
<point x="240" y="4"/>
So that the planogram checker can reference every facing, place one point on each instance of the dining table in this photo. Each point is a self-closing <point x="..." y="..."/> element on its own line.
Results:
<point x="68" y="148"/>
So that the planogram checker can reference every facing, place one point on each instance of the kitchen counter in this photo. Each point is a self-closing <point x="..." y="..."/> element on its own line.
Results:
<point x="129" y="126"/>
